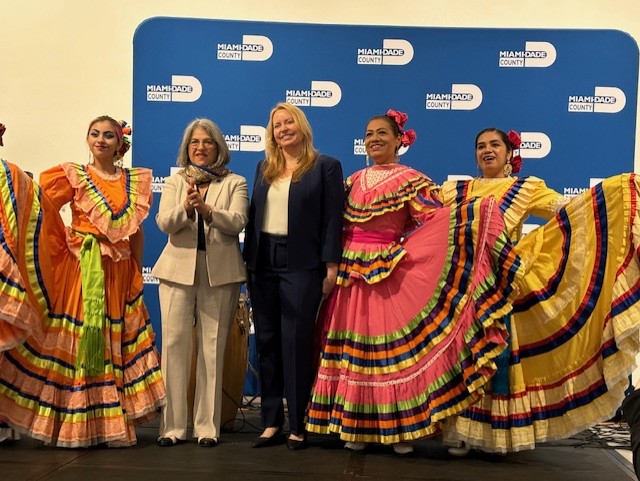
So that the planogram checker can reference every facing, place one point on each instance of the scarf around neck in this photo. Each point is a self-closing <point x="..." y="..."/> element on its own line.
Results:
<point x="202" y="175"/>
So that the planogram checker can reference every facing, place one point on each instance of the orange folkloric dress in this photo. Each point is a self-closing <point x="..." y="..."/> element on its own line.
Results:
<point x="44" y="392"/>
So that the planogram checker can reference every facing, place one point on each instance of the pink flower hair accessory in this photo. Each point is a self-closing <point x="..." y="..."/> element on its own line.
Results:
<point x="516" y="160"/>
<point x="3" y="129"/>
<point x="407" y="137"/>
<point x="400" y="118"/>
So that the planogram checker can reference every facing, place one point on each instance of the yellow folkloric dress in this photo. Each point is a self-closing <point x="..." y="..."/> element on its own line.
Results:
<point x="574" y="327"/>
<point x="44" y="391"/>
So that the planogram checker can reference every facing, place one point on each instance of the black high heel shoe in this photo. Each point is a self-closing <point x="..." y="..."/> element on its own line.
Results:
<point x="297" y="444"/>
<point x="265" y="442"/>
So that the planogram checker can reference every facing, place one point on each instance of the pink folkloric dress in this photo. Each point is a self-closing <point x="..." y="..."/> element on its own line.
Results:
<point x="416" y="316"/>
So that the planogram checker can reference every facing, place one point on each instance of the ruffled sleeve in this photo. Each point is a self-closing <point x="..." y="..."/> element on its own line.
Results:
<point x="56" y="185"/>
<point x="545" y="202"/>
<point x="525" y="197"/>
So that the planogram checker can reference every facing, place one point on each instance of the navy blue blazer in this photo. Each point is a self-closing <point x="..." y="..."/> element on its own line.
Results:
<point x="315" y="217"/>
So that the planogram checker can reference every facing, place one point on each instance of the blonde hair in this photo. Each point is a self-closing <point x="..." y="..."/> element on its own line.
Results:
<point x="275" y="162"/>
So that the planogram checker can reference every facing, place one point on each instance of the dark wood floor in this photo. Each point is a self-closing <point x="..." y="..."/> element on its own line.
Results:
<point x="325" y="459"/>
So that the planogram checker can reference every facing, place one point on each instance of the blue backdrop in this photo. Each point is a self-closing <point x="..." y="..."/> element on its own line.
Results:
<point x="572" y="94"/>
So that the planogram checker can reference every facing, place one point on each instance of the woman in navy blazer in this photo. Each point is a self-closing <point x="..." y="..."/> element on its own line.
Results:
<point x="292" y="249"/>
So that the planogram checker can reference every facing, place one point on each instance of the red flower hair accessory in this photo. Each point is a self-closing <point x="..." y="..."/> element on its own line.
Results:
<point x="407" y="137"/>
<point x="516" y="160"/>
<point x="126" y="143"/>
<point x="3" y="129"/>
<point x="514" y="139"/>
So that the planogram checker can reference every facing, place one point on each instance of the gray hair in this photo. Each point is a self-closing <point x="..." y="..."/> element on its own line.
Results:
<point x="214" y="132"/>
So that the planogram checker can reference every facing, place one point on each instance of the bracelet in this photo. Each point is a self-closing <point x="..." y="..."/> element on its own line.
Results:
<point x="209" y="216"/>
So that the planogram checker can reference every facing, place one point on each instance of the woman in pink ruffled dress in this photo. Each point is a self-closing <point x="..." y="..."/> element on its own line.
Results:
<point x="414" y="326"/>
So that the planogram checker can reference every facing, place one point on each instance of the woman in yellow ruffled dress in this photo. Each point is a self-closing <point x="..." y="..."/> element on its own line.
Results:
<point x="574" y="327"/>
<point x="81" y="366"/>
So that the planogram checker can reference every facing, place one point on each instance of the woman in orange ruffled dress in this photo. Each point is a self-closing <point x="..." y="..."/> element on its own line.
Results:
<point x="80" y="365"/>
<point x="415" y="322"/>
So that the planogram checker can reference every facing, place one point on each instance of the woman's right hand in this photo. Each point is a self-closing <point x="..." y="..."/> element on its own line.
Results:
<point x="188" y="204"/>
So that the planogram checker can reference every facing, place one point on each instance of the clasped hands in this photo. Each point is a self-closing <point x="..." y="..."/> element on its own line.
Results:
<point x="195" y="202"/>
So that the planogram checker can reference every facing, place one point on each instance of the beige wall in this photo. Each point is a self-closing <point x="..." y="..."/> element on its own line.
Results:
<point x="63" y="62"/>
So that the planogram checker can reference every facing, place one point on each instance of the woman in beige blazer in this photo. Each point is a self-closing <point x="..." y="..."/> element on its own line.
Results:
<point x="203" y="208"/>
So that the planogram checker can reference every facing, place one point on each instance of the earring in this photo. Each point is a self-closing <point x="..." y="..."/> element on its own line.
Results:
<point x="366" y="160"/>
<point x="507" y="169"/>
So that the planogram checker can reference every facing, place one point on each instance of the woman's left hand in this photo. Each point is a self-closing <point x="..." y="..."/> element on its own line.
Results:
<point x="329" y="282"/>
<point x="196" y="201"/>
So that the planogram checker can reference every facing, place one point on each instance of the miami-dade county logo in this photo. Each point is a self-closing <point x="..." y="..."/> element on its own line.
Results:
<point x="534" y="145"/>
<point x="254" y="48"/>
<point x="360" y="149"/>
<point x="183" y="88"/>
<point x="147" y="278"/>
<point x="250" y="139"/>
<point x="607" y="100"/>
<point x="157" y="183"/>
<point x="394" y="51"/>
<point x="462" y="97"/>
<point x="574" y="191"/>
<point x="323" y="93"/>
<point x="535" y="54"/>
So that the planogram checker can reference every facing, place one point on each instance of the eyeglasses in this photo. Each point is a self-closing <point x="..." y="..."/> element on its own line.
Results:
<point x="207" y="143"/>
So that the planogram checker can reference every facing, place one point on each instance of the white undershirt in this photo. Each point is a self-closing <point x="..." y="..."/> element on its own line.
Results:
<point x="276" y="210"/>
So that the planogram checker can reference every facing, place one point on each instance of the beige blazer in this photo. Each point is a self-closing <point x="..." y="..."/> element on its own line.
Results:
<point x="229" y="201"/>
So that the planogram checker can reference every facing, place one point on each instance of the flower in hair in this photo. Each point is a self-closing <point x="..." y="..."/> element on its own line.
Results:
<point x="126" y="129"/>
<point x="400" y="118"/>
<point x="408" y="137"/>
<point x="516" y="159"/>
<point x="516" y="163"/>
<point x="126" y="143"/>
<point x="514" y="139"/>
<point x="2" y="131"/>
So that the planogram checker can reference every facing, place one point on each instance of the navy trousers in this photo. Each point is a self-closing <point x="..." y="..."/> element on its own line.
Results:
<point x="284" y="305"/>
